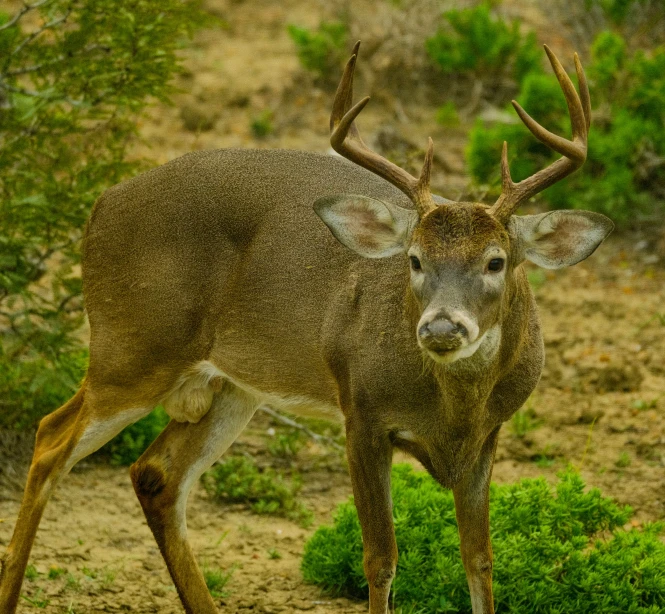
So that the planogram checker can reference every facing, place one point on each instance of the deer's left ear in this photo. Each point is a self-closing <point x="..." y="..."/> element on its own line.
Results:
<point x="370" y="227"/>
<point x="558" y="239"/>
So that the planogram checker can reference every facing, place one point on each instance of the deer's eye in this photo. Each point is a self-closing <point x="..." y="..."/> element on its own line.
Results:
<point x="415" y="263"/>
<point x="495" y="265"/>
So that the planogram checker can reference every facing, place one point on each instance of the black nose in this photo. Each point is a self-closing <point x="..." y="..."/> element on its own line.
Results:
<point x="442" y="334"/>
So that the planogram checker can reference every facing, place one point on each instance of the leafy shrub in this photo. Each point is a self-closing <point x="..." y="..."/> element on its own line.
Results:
<point x="475" y="41"/>
<point x="74" y="78"/>
<point x="617" y="10"/>
<point x="548" y="552"/>
<point x="126" y="447"/>
<point x="237" y="479"/>
<point x="320" y="51"/>
<point x="623" y="176"/>
<point x="33" y="385"/>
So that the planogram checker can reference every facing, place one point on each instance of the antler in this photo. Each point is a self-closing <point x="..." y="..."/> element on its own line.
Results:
<point x="345" y="140"/>
<point x="574" y="152"/>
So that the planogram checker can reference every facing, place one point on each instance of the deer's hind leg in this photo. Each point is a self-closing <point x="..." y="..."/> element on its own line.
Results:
<point x="63" y="438"/>
<point x="165" y="474"/>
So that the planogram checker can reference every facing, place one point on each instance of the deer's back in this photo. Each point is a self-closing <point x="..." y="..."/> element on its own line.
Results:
<point x="222" y="249"/>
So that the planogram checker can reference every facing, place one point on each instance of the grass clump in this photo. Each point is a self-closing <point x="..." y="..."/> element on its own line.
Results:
<point x="549" y="555"/>
<point x="216" y="580"/>
<point x="320" y="51"/>
<point x="238" y="480"/>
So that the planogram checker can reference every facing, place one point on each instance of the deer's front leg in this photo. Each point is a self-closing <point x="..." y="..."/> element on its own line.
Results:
<point x="370" y="459"/>
<point x="472" y="510"/>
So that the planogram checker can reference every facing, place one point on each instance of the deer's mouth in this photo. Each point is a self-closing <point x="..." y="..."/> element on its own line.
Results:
<point x="463" y="350"/>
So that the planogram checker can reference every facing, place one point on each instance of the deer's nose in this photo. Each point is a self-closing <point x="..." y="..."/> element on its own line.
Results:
<point x="442" y="334"/>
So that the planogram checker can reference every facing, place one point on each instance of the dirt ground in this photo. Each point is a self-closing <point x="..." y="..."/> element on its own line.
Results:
<point x="599" y="405"/>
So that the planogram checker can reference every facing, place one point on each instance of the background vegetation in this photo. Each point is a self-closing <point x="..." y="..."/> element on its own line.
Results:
<point x="75" y="76"/>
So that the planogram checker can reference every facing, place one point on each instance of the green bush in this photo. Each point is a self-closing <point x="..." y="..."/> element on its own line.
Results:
<point x="126" y="447"/>
<point x="237" y="479"/>
<point x="323" y="50"/>
<point x="75" y="75"/>
<point x="31" y="387"/>
<point x="556" y="550"/>
<point x="475" y="41"/>
<point x="623" y="176"/>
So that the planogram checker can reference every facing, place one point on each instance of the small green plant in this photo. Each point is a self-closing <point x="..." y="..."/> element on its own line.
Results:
<point x="286" y="445"/>
<point x="31" y="573"/>
<point x="558" y="549"/>
<point x="320" y="51"/>
<point x="274" y="554"/>
<point x="72" y="583"/>
<point x="623" y="461"/>
<point x="523" y="421"/>
<point x="216" y="579"/>
<point x="39" y="601"/>
<point x="238" y="480"/>
<point x="126" y="447"/>
<point x="261" y="124"/>
<point x="643" y="405"/>
<point x="55" y="572"/>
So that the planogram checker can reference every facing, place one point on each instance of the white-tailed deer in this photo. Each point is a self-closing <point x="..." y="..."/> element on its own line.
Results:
<point x="212" y="286"/>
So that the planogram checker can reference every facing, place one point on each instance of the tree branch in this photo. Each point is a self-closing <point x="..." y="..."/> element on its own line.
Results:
<point x="26" y="9"/>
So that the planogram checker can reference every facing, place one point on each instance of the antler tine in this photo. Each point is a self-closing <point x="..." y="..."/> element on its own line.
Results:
<point x="574" y="151"/>
<point x="345" y="139"/>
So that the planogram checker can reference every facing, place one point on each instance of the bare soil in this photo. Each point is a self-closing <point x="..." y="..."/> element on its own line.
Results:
<point x="599" y="405"/>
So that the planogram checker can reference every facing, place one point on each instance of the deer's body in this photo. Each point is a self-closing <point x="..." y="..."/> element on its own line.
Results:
<point x="261" y="249"/>
<point x="220" y="281"/>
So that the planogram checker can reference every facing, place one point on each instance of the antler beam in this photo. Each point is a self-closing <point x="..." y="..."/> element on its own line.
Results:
<point x="573" y="152"/>
<point x="346" y="141"/>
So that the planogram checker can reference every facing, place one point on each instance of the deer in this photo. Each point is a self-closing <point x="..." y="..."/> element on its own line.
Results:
<point x="339" y="285"/>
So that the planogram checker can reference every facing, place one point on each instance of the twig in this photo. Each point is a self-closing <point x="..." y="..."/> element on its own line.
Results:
<point x="47" y="26"/>
<point x="329" y="441"/>
<point x="26" y="8"/>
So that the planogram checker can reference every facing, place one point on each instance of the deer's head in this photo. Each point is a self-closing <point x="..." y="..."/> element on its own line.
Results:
<point x="462" y="256"/>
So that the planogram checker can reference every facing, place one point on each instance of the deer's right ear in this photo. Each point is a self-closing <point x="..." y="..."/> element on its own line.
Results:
<point x="371" y="228"/>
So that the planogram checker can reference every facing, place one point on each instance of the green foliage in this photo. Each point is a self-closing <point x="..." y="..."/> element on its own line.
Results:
<point x="523" y="421"/>
<point x="74" y="77"/>
<point x="31" y="573"/>
<point x="548" y="553"/>
<point x="126" y="447"/>
<point x="623" y="176"/>
<point x="55" y="572"/>
<point x="447" y="115"/>
<point x="261" y="124"/>
<point x="475" y="41"/>
<point x="320" y="51"/>
<point x="32" y="387"/>
<point x="216" y="580"/>
<point x="286" y="445"/>
<point x="617" y="10"/>
<point x="237" y="479"/>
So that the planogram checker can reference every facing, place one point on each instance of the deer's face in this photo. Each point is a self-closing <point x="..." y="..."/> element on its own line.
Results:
<point x="461" y="259"/>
